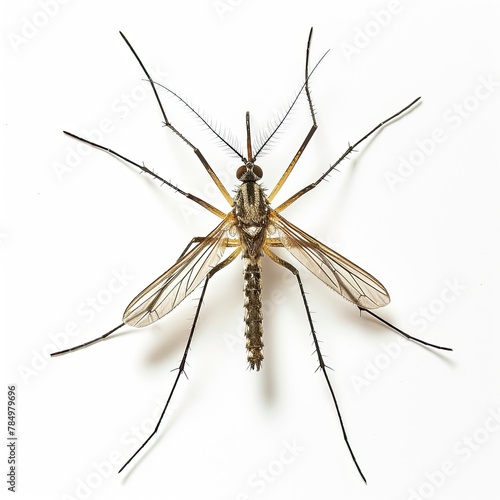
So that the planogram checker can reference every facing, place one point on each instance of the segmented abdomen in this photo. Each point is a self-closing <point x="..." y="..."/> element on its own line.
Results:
<point x="252" y="288"/>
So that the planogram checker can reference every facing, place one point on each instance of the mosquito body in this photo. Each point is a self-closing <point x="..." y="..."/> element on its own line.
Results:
<point x="253" y="229"/>
<point x="251" y="213"/>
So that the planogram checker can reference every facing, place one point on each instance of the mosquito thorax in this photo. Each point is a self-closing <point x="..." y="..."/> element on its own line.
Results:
<point x="251" y="210"/>
<point x="249" y="172"/>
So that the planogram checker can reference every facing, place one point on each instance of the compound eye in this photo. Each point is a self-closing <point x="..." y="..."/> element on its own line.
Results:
<point x="241" y="172"/>
<point x="258" y="171"/>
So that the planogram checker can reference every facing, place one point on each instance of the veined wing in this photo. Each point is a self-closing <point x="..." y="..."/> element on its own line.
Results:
<point x="336" y="271"/>
<point x="173" y="286"/>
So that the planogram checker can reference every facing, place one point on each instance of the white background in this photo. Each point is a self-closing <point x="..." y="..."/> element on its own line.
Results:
<point x="431" y="239"/>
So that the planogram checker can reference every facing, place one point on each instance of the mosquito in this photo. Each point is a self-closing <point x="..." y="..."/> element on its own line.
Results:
<point x="252" y="229"/>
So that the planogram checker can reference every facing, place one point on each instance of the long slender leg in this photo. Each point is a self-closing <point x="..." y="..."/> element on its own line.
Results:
<point x="196" y="239"/>
<point x="322" y="364"/>
<point x="276" y="243"/>
<point x="409" y="337"/>
<point x="201" y="202"/>
<point x="87" y="344"/>
<point x="349" y="150"/>
<point x="303" y="146"/>
<point x="180" y="369"/>
<point x="196" y="151"/>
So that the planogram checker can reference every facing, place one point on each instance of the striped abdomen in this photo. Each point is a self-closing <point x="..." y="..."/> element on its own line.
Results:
<point x="253" y="310"/>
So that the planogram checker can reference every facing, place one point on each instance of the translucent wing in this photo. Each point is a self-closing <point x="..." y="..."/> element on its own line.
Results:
<point x="173" y="286"/>
<point x="336" y="271"/>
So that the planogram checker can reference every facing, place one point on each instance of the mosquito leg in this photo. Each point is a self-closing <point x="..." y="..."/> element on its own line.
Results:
<point x="409" y="337"/>
<point x="196" y="239"/>
<point x="182" y="365"/>
<point x="143" y="168"/>
<point x="303" y="146"/>
<point x="87" y="344"/>
<point x="322" y="364"/>
<point x="349" y="150"/>
<point x="196" y="151"/>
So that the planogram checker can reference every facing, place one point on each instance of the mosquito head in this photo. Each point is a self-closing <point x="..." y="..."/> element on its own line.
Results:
<point x="249" y="172"/>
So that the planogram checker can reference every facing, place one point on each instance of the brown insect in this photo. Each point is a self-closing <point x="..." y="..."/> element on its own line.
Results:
<point x="253" y="229"/>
